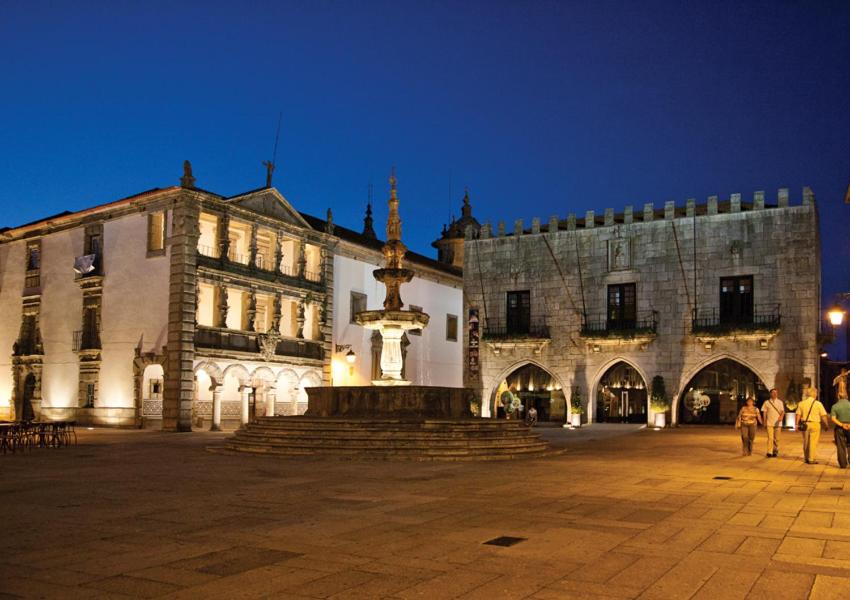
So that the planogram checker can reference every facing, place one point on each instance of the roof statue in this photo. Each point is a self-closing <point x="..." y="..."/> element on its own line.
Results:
<point x="187" y="181"/>
<point x="368" y="230"/>
<point x="269" y="165"/>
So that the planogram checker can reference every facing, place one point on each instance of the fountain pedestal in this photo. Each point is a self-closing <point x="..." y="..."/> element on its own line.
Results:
<point x="392" y="324"/>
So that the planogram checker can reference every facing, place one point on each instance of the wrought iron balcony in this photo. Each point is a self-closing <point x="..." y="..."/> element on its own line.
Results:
<point x="85" y="342"/>
<point x="497" y="330"/>
<point x="766" y="318"/>
<point x="248" y="341"/>
<point x="644" y="324"/>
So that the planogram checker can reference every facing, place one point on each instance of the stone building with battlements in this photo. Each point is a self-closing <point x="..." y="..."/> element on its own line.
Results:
<point x="722" y="300"/>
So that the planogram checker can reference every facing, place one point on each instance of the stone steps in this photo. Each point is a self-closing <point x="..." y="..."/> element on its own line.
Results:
<point x="388" y="439"/>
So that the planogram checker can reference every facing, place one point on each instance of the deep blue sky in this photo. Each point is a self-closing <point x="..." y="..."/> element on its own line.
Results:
<point x="539" y="107"/>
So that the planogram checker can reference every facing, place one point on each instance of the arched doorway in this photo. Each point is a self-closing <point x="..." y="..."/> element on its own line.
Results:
<point x="716" y="393"/>
<point x="532" y="386"/>
<point x="621" y="395"/>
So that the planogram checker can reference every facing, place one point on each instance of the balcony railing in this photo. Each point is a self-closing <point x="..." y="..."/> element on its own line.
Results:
<point x="501" y="330"/>
<point x="248" y="341"/>
<point x="85" y="342"/>
<point x="312" y="276"/>
<point x="235" y="257"/>
<point x="27" y="347"/>
<point x="209" y="251"/>
<point x="32" y="281"/>
<point x="765" y="318"/>
<point x="645" y="323"/>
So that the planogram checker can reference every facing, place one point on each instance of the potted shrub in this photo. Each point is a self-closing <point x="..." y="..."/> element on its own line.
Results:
<point x="658" y="401"/>
<point x="576" y="408"/>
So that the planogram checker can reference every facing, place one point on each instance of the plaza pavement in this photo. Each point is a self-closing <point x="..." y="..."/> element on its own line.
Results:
<point x="622" y="514"/>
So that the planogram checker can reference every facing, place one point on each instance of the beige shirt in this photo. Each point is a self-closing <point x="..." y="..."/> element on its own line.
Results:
<point x="813" y="412"/>
<point x="773" y="411"/>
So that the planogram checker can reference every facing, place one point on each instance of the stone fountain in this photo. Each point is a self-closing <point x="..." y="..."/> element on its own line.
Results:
<point x="391" y="419"/>
<point x="392" y="321"/>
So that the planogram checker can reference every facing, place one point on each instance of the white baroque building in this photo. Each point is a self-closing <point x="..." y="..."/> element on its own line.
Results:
<point x="180" y="308"/>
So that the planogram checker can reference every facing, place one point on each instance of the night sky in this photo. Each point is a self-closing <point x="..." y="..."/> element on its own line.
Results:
<point x="539" y="108"/>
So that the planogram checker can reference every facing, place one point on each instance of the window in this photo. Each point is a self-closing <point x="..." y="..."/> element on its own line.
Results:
<point x="358" y="305"/>
<point x="156" y="232"/>
<point x="91" y="333"/>
<point x="33" y="257"/>
<point x="622" y="307"/>
<point x="156" y="389"/>
<point x="736" y="299"/>
<point x="451" y="328"/>
<point x="519" y="312"/>
<point x="415" y="308"/>
<point x="89" y="395"/>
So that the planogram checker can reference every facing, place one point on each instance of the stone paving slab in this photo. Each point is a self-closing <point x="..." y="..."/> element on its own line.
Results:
<point x="624" y="513"/>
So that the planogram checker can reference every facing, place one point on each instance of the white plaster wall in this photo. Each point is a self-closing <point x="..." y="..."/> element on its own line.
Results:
<point x="431" y="360"/>
<point x="61" y="316"/>
<point x="12" y="268"/>
<point x="135" y="305"/>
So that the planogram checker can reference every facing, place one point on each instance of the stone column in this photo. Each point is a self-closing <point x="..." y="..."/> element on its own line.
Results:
<point x="278" y="252"/>
<point x="269" y="392"/>
<point x="253" y="260"/>
<point x="216" y="409"/>
<point x="244" y="391"/>
<point x="222" y="306"/>
<point x="252" y="310"/>
<point x="302" y="306"/>
<point x="302" y="259"/>
<point x="276" y="317"/>
<point x="180" y="349"/>
<point x="224" y="236"/>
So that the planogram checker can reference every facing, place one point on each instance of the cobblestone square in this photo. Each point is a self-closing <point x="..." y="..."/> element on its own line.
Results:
<point x="624" y="513"/>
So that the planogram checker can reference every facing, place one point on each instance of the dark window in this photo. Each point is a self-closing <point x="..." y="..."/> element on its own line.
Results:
<point x="156" y="231"/>
<point x="451" y="328"/>
<point x="91" y="335"/>
<point x="33" y="257"/>
<point x="89" y="395"/>
<point x="519" y="312"/>
<point x="736" y="299"/>
<point x="622" y="308"/>
<point x="358" y="304"/>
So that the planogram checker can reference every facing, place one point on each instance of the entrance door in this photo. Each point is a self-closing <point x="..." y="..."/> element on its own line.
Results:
<point x="736" y="299"/>
<point x="519" y="312"/>
<point x="27" y="413"/>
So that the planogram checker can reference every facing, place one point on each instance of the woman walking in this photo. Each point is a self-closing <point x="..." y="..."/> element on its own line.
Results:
<point x="748" y="418"/>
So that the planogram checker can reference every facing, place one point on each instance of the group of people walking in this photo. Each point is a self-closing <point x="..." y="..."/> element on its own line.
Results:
<point x="810" y="417"/>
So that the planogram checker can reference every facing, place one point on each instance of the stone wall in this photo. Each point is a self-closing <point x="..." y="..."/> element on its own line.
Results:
<point x="568" y="264"/>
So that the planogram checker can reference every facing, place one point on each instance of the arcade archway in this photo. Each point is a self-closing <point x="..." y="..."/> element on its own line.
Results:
<point x="621" y="395"/>
<point x="531" y="385"/>
<point x="716" y="393"/>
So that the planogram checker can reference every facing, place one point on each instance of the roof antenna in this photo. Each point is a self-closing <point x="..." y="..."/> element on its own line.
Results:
<point x="269" y="164"/>
<point x="450" y="194"/>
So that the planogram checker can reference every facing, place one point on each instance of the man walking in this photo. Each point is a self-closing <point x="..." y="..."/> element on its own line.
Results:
<point x="773" y="411"/>
<point x="840" y="415"/>
<point x="810" y="414"/>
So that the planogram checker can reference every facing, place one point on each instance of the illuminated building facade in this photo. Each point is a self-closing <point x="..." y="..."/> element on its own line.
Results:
<point x="182" y="308"/>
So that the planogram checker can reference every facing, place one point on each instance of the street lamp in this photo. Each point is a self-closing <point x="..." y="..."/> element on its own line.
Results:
<point x="350" y="356"/>
<point x="837" y="315"/>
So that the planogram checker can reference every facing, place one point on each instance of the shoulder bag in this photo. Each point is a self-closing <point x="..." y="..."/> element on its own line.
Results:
<point x="803" y="424"/>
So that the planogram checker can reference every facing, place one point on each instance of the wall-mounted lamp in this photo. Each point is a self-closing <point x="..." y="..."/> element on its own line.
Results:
<point x="350" y="356"/>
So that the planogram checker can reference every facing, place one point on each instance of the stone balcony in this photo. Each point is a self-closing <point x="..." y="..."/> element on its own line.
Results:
<point x="226" y="341"/>
<point x="239" y="265"/>
<point x="501" y="335"/>
<point x="764" y="322"/>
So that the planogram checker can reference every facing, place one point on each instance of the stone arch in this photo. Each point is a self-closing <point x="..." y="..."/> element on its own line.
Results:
<point x="592" y="407"/>
<point x="238" y="371"/>
<point x="697" y="369"/>
<point x="489" y="398"/>
<point x="212" y="370"/>
<point x="263" y="374"/>
<point x="308" y="379"/>
<point x="286" y="387"/>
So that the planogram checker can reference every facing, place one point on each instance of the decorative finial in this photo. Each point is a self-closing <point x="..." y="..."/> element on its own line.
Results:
<point x="329" y="226"/>
<point x="393" y="220"/>
<point x="269" y="165"/>
<point x="368" y="230"/>
<point x="466" y="211"/>
<point x="187" y="181"/>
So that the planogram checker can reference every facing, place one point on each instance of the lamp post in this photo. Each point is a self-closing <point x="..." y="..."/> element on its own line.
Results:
<point x="837" y="315"/>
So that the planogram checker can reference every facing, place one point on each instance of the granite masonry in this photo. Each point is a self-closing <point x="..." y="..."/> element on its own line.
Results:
<point x="666" y="291"/>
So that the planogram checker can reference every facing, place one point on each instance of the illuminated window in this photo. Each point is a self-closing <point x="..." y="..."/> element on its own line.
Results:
<point x="156" y="232"/>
